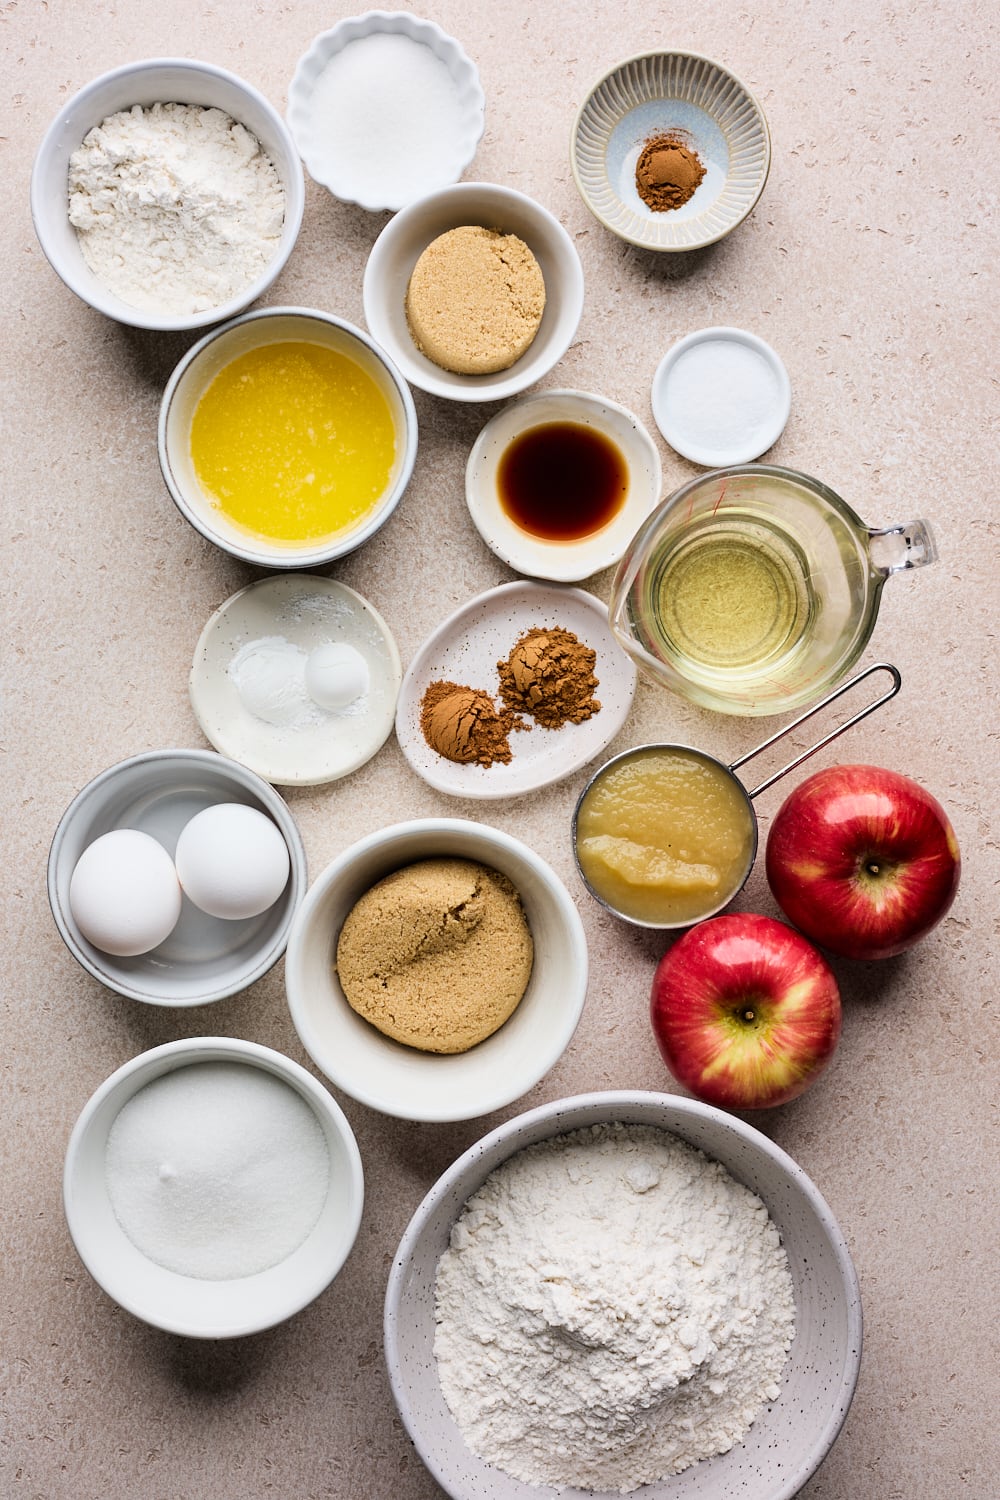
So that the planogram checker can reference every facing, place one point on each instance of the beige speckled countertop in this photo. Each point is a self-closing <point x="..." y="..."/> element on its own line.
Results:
<point x="867" y="264"/>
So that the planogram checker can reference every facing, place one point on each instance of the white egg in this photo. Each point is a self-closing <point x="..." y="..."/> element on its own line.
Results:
<point x="336" y="675"/>
<point x="124" y="894"/>
<point x="232" y="861"/>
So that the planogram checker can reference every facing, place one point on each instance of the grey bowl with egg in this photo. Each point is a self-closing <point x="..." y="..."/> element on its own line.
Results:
<point x="161" y="80"/>
<point x="204" y="958"/>
<point x="408" y="234"/>
<point x="401" y="1080"/>
<point x="789" y="1438"/>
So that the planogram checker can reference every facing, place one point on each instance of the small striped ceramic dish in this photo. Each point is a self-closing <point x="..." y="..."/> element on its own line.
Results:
<point x="688" y="99"/>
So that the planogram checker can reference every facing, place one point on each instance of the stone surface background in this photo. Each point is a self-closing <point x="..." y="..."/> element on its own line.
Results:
<point x="868" y="265"/>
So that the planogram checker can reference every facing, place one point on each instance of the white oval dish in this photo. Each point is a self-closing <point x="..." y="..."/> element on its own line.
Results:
<point x="721" y="396"/>
<point x="160" y="80"/>
<point x="400" y="1080"/>
<point x="465" y="649"/>
<point x="189" y="1305"/>
<point x="429" y="161"/>
<point x="789" y="1439"/>
<point x="303" y="611"/>
<point x="405" y="238"/>
<point x="563" y="562"/>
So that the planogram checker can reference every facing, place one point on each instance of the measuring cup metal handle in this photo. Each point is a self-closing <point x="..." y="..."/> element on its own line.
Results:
<point x="863" y="713"/>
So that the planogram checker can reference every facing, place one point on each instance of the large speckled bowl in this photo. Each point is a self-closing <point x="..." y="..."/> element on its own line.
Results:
<point x="682" y="95"/>
<point x="791" y="1436"/>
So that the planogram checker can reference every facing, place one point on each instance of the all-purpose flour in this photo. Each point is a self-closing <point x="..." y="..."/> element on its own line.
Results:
<point x="612" y="1308"/>
<point x="177" y="207"/>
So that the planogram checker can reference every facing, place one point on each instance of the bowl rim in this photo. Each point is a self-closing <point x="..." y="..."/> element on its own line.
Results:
<point x="435" y="1109"/>
<point x="168" y="1057"/>
<point x="415" y="367"/>
<point x="606" y="547"/>
<point x="105" y="301"/>
<point x="698" y="57"/>
<point x="606" y="1104"/>
<point x="277" y="809"/>
<point x="291" y="557"/>
<point x="327" y="44"/>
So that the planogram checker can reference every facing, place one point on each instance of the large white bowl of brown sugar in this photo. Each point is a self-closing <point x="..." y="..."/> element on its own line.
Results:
<point x="475" y="291"/>
<point x="436" y="970"/>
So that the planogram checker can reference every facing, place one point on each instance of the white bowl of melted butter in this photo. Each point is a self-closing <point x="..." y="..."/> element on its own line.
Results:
<point x="287" y="437"/>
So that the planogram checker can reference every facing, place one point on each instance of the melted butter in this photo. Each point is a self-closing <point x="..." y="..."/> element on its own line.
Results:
<point x="293" y="442"/>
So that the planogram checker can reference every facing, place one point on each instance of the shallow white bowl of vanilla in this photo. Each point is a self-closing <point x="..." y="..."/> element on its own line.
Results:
<point x="212" y="1187"/>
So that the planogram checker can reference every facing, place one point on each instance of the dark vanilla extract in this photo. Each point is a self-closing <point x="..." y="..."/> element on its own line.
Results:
<point x="562" y="481"/>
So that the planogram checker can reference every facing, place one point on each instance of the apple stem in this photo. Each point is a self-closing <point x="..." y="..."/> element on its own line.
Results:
<point x="873" y="868"/>
<point x="749" y="1014"/>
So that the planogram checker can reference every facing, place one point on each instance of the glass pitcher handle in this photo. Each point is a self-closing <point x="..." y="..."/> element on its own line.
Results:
<point x="839" y="729"/>
<point x="896" y="548"/>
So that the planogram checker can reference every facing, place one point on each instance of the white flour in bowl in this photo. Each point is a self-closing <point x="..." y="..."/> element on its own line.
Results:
<point x="612" y="1308"/>
<point x="177" y="207"/>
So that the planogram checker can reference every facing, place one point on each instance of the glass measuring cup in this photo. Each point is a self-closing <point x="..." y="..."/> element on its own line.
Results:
<point x="701" y="815"/>
<point x="752" y="589"/>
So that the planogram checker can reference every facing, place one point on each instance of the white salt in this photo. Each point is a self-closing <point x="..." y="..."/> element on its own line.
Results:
<point x="722" y="395"/>
<point x="217" y="1170"/>
<point x="388" y="117"/>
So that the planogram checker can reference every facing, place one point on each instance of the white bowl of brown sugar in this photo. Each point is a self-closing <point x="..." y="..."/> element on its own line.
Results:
<point x="437" y="970"/>
<point x="475" y="291"/>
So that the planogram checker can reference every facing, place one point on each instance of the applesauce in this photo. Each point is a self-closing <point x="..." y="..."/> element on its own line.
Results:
<point x="665" y="835"/>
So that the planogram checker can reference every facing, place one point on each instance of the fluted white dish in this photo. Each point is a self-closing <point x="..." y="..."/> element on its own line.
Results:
<point x="334" y="163"/>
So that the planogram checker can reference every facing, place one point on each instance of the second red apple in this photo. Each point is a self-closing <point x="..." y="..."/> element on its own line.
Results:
<point x="745" y="1011"/>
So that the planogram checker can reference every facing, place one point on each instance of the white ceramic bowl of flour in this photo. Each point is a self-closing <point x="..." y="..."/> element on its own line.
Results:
<point x="792" y="1433"/>
<point x="159" y="81"/>
<point x="212" y="1187"/>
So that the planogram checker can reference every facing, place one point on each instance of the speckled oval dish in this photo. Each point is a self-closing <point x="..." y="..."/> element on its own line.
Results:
<point x="789" y="1439"/>
<point x="300" y="611"/>
<point x="695" y="100"/>
<point x="465" y="649"/>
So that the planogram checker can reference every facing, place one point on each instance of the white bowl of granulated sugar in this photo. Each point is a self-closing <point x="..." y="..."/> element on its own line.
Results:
<point x="600" y="1294"/>
<point x="171" y="153"/>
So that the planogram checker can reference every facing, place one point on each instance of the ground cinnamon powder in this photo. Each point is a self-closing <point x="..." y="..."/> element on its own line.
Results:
<point x="667" y="173"/>
<point x="549" y="674"/>
<point x="464" y="724"/>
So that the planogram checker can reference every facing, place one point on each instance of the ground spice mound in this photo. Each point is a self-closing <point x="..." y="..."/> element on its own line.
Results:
<point x="667" y="173"/>
<point x="549" y="674"/>
<point x="463" y="724"/>
<point x="437" y="955"/>
<point x="475" y="300"/>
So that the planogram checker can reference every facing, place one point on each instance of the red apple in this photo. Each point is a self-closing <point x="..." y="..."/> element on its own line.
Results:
<point x="745" y="1012"/>
<point x="863" y="861"/>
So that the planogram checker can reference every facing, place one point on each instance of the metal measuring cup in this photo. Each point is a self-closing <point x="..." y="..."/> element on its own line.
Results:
<point x="746" y="796"/>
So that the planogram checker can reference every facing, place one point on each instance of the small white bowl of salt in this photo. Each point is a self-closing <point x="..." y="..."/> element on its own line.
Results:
<point x="384" y="108"/>
<point x="213" y="1187"/>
